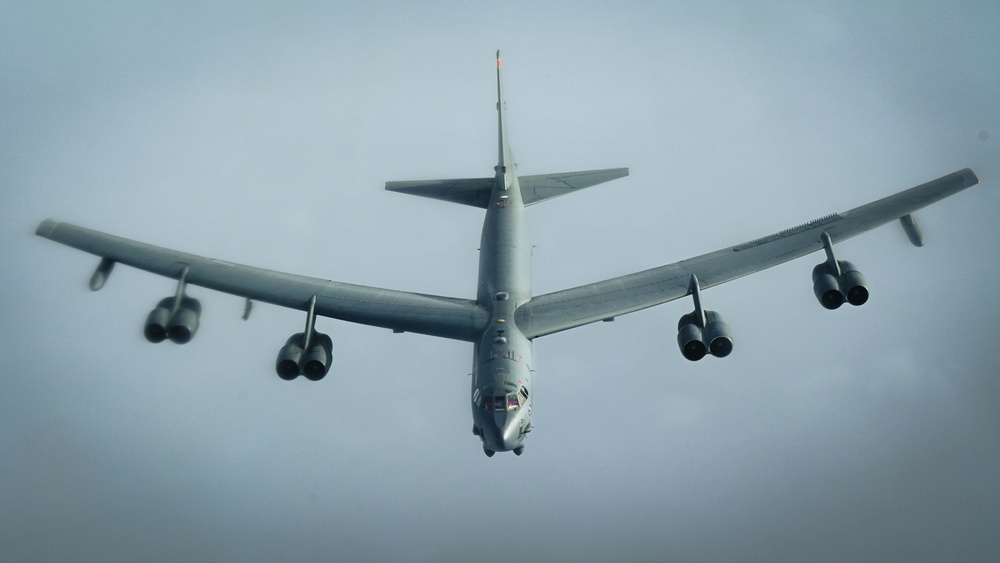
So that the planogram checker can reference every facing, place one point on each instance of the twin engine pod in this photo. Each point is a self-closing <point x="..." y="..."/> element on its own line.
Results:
<point x="695" y="341"/>
<point x="297" y="358"/>
<point x="173" y="320"/>
<point x="832" y="288"/>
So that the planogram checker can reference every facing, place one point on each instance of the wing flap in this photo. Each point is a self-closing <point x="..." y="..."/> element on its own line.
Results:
<point x="458" y="319"/>
<point x="585" y="304"/>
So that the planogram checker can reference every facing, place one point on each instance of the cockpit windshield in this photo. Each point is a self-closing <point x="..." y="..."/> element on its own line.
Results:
<point x="496" y="402"/>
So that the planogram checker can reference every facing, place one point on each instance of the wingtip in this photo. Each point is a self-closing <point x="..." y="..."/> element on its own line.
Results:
<point x="969" y="177"/>
<point x="46" y="227"/>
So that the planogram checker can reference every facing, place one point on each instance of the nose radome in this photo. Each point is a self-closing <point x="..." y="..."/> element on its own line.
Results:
<point x="505" y="433"/>
<point x="511" y="433"/>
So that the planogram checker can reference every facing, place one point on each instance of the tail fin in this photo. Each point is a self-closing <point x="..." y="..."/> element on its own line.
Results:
<point x="469" y="191"/>
<point x="504" y="158"/>
<point x="477" y="191"/>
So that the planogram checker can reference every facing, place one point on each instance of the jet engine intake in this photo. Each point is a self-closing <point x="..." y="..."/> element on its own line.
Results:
<point x="318" y="358"/>
<point x="695" y="342"/>
<point x="718" y="335"/>
<point x="287" y="365"/>
<point x="827" y="287"/>
<point x="158" y="321"/>
<point x="178" y="325"/>
<point x="853" y="283"/>
<point x="689" y="338"/>
<point x="184" y="322"/>
<point x="832" y="289"/>
<point x="295" y="360"/>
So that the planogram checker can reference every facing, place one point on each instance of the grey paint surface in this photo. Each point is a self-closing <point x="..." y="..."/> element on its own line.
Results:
<point x="866" y="433"/>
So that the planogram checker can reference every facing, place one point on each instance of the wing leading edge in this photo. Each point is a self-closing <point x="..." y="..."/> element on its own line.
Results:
<point x="570" y="308"/>
<point x="458" y="319"/>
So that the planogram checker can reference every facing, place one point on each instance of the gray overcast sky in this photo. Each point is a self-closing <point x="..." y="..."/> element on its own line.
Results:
<point x="262" y="133"/>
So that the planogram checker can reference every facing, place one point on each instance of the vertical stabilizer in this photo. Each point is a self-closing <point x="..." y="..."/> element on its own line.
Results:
<point x="504" y="159"/>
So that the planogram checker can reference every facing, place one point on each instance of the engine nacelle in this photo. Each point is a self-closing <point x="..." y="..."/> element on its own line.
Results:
<point x="287" y="365"/>
<point x="689" y="338"/>
<point x="294" y="360"/>
<point x="184" y="322"/>
<point x="695" y="342"/>
<point x="318" y="358"/>
<point x="158" y="321"/>
<point x="853" y="284"/>
<point x="717" y="335"/>
<point x="179" y="326"/>
<point x="827" y="287"/>
<point x="832" y="291"/>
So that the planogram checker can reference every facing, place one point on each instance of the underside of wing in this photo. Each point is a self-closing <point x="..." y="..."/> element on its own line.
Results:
<point x="607" y="299"/>
<point x="458" y="319"/>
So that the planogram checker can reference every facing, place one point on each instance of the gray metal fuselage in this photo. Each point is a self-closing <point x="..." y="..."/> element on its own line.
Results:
<point x="501" y="376"/>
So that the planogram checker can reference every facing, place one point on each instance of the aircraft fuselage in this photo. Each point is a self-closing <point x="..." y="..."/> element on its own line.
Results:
<point x="501" y="376"/>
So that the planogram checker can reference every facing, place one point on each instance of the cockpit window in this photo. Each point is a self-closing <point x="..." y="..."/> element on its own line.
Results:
<point x="489" y="401"/>
<point x="512" y="402"/>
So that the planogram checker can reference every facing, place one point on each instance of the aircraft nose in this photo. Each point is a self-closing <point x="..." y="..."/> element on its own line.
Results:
<point x="511" y="434"/>
<point x="505" y="432"/>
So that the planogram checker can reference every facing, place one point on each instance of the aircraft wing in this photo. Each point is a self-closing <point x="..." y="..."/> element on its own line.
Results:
<point x="458" y="319"/>
<point x="607" y="299"/>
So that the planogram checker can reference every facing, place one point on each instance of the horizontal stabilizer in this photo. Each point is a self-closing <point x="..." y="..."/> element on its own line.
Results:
<point x="544" y="186"/>
<point x="467" y="191"/>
